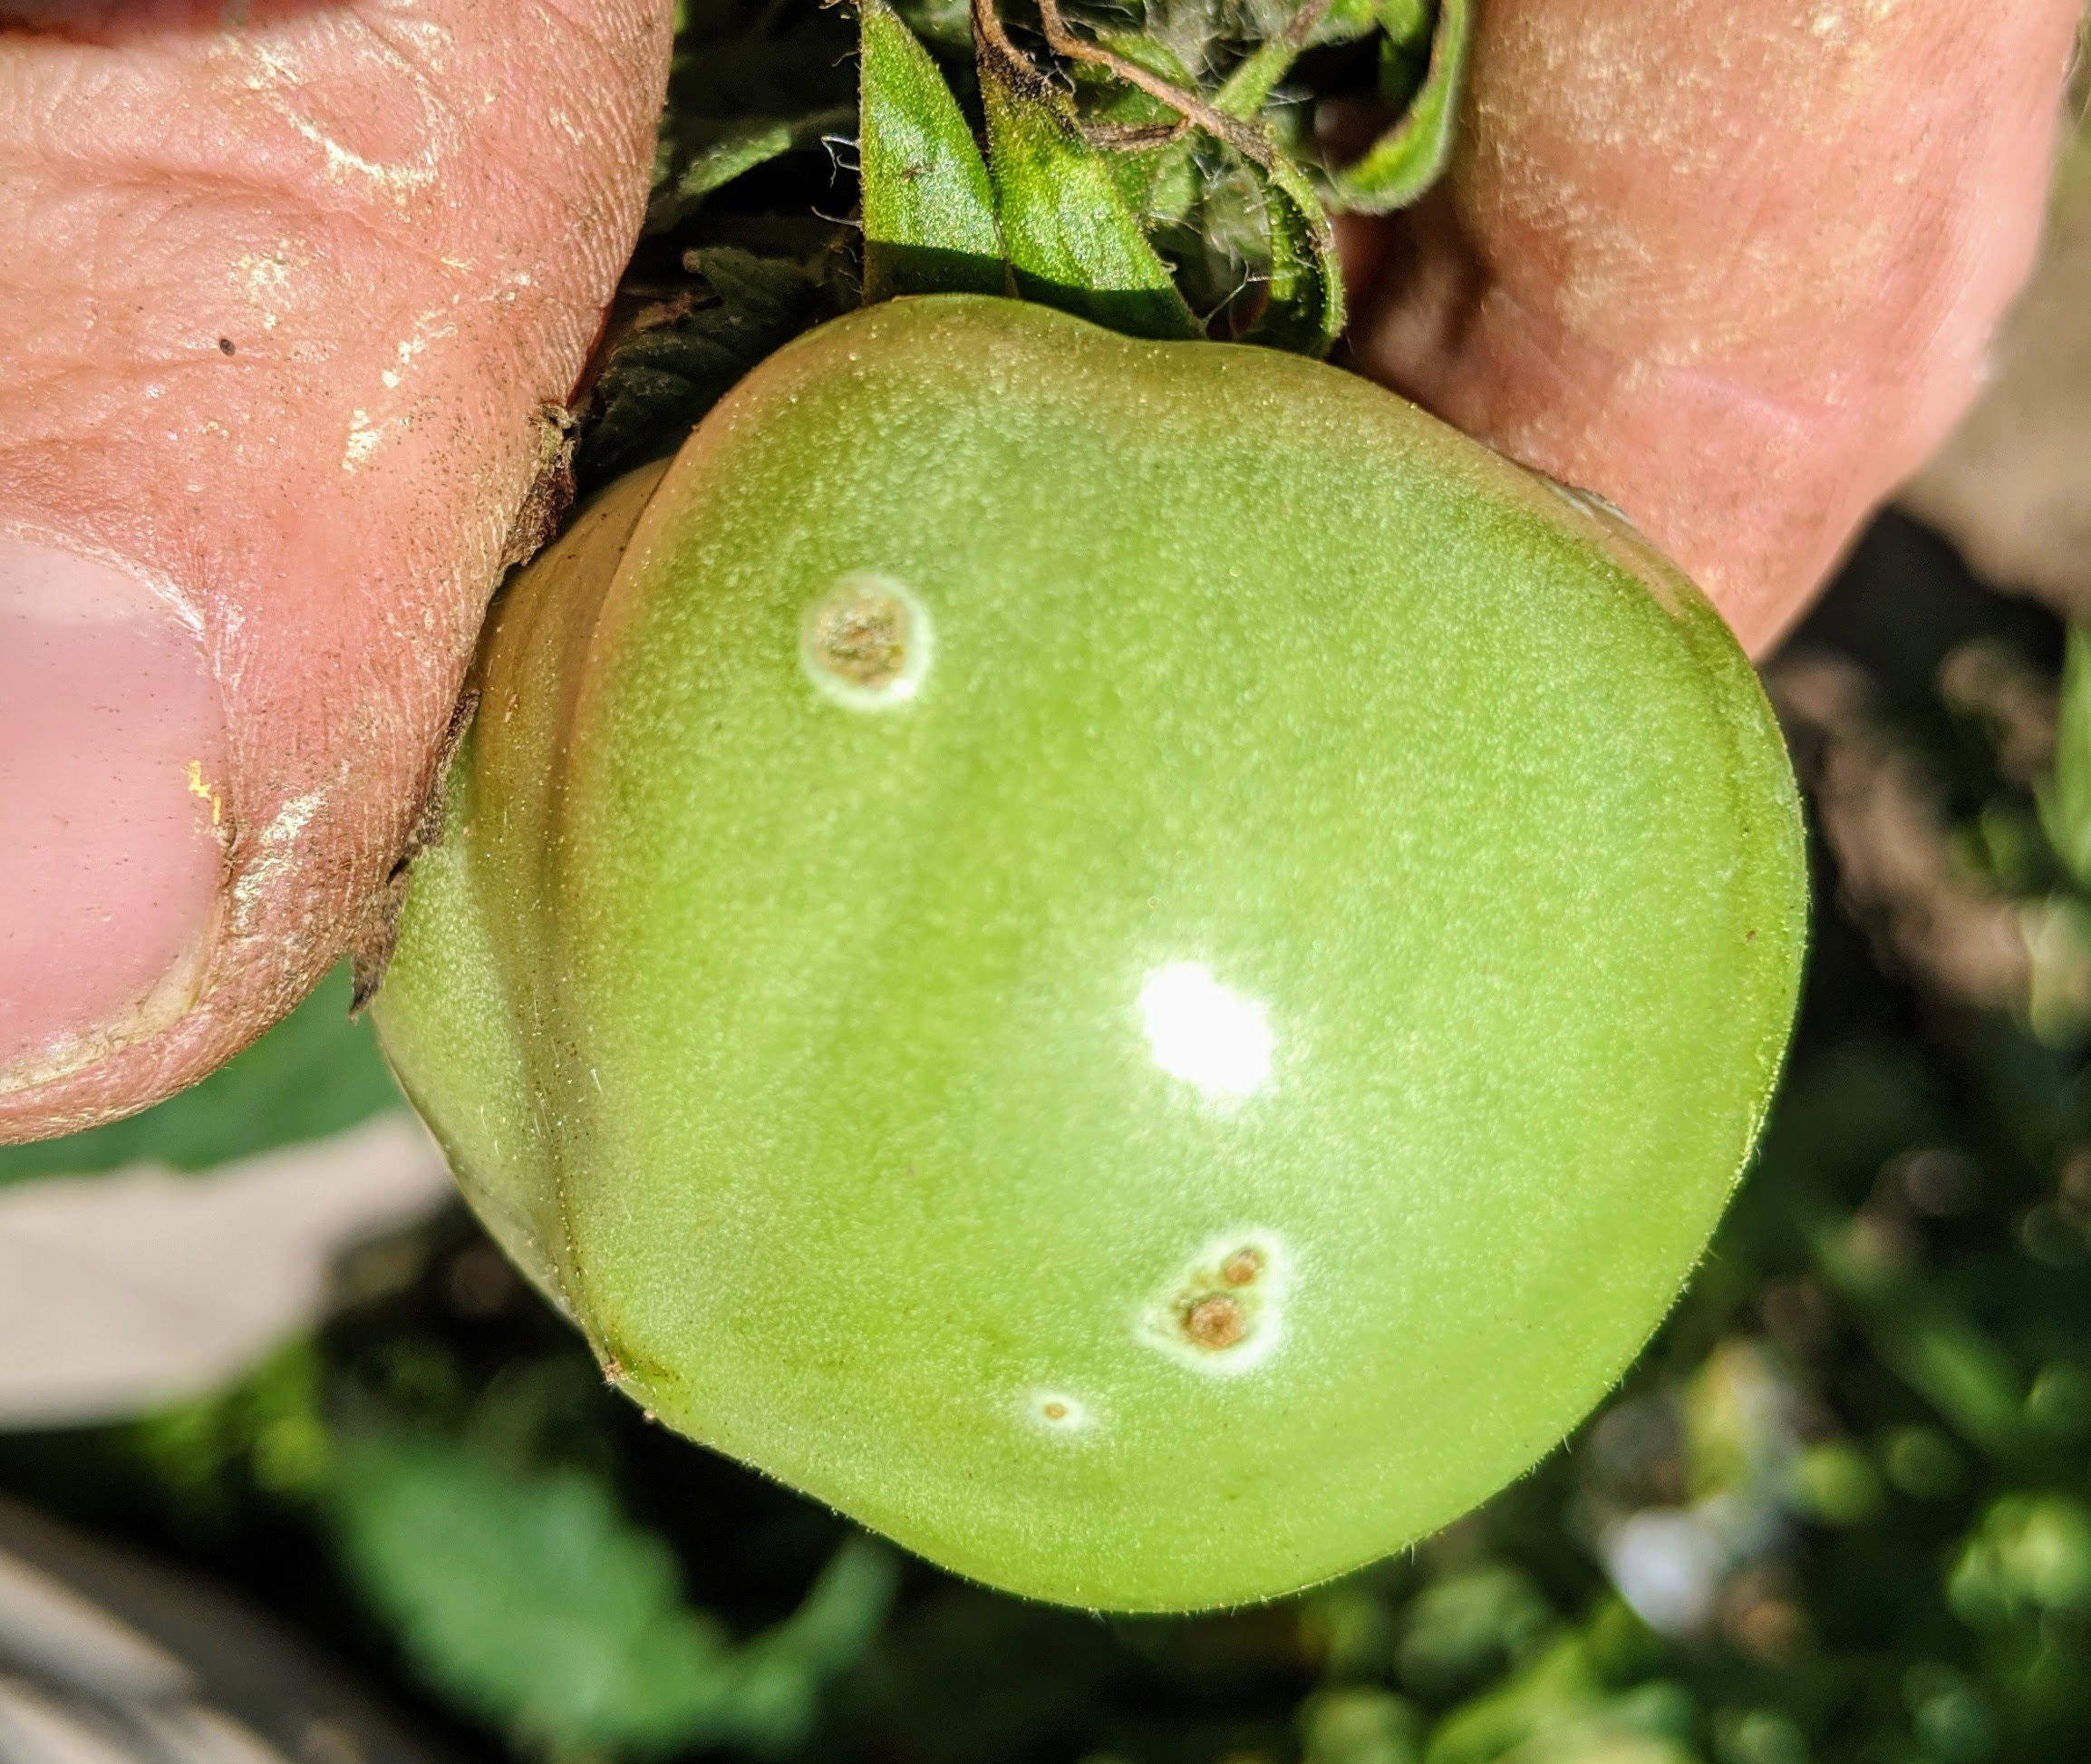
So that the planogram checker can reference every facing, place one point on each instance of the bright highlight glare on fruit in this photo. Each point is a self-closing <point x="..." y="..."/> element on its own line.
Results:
<point x="1205" y="1034"/>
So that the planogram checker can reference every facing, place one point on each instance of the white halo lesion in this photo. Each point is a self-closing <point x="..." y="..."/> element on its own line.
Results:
<point x="1056" y="1412"/>
<point x="1223" y="1314"/>
<point x="866" y="644"/>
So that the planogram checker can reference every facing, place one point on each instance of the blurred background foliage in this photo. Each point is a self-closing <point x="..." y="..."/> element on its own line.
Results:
<point x="1840" y="1510"/>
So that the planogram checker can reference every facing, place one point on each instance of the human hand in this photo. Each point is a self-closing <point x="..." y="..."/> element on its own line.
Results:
<point x="283" y="285"/>
<point x="406" y="219"/>
<point x="1733" y="265"/>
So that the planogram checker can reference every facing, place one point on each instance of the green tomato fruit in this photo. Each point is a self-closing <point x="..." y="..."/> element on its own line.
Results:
<point x="1132" y="962"/>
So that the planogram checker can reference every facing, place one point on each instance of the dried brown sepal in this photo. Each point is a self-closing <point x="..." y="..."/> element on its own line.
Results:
<point x="551" y="492"/>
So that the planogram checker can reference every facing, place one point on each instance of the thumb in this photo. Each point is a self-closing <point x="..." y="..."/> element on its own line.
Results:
<point x="282" y="301"/>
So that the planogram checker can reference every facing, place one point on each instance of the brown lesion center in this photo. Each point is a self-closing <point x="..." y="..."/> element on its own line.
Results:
<point x="1215" y="1321"/>
<point x="862" y="635"/>
<point x="1222" y="1315"/>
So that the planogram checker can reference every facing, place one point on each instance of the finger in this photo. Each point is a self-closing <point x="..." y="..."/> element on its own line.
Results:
<point x="1732" y="265"/>
<point x="281" y="300"/>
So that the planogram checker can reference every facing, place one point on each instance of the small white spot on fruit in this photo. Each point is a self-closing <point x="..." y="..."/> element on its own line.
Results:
<point x="1055" y="1411"/>
<point x="866" y="643"/>
<point x="1205" y="1034"/>
<point x="1222" y="1314"/>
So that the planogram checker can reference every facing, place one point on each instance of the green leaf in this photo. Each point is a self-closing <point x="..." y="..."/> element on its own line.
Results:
<point x="748" y="146"/>
<point x="1408" y="157"/>
<point x="743" y="146"/>
<point x="778" y="1677"/>
<point x="2065" y="800"/>
<point x="1072" y="238"/>
<point x="530" y="1602"/>
<point x="1560" y="1707"/>
<point x="742" y="73"/>
<point x="680" y="356"/>
<point x="313" y="1074"/>
<point x="1305" y="310"/>
<point x="929" y="224"/>
<point x="2031" y="1554"/>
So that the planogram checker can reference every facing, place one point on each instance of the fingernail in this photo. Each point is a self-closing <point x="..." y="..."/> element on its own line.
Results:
<point x="111" y="769"/>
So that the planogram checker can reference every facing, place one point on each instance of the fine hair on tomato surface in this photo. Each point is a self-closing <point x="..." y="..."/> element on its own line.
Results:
<point x="1131" y="960"/>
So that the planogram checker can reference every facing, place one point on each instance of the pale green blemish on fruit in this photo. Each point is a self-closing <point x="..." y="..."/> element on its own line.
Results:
<point x="1207" y="1034"/>
<point x="866" y="643"/>
<point x="1222" y="1315"/>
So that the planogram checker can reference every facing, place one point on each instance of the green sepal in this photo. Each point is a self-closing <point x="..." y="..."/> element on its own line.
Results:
<point x="1345" y="21"/>
<point x="1409" y="157"/>
<point x="1248" y="87"/>
<point x="1304" y="311"/>
<point x="1244" y="91"/>
<point x="1406" y="22"/>
<point x="1125" y="103"/>
<point x="1405" y="40"/>
<point x="929" y="221"/>
<point x="1073" y="240"/>
<point x="1159" y="181"/>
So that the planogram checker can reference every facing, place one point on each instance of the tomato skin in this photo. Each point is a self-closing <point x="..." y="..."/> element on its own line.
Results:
<point x="1200" y="1084"/>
